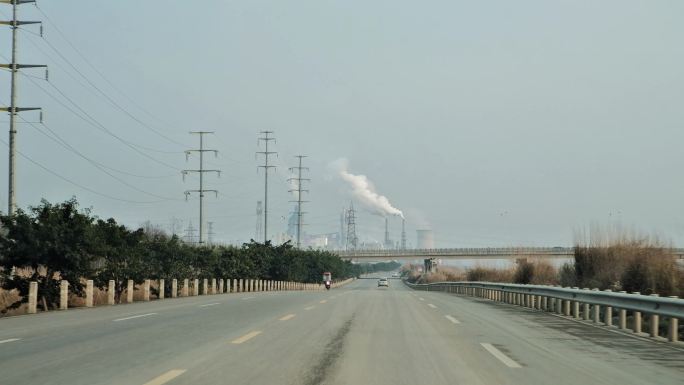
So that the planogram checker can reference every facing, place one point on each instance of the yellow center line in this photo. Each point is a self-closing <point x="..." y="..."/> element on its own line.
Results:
<point x="287" y="317"/>
<point x="323" y="301"/>
<point x="246" y="337"/>
<point x="166" y="377"/>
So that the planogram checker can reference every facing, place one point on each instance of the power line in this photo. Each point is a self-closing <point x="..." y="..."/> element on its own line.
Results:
<point x="299" y="191"/>
<point x="201" y="172"/>
<point x="266" y="138"/>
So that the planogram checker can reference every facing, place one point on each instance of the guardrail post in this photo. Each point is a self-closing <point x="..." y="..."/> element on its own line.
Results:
<point x="637" y="322"/>
<point x="673" y="327"/>
<point x="129" y="291"/>
<point x="233" y="287"/>
<point x="111" y="291"/>
<point x="622" y="316"/>
<point x="654" y="321"/>
<point x="566" y="311"/>
<point x="220" y="288"/>
<point x="205" y="286"/>
<point x="146" y="290"/>
<point x="213" y="286"/>
<point x="64" y="295"/>
<point x="576" y="309"/>
<point x="174" y="288"/>
<point x="32" y="298"/>
<point x="162" y="289"/>
<point x="195" y="287"/>
<point x="186" y="287"/>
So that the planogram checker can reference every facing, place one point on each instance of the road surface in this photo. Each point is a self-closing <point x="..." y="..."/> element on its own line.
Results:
<point x="358" y="334"/>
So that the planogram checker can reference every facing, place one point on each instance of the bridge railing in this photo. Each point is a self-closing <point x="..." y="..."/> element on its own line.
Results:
<point x="596" y="306"/>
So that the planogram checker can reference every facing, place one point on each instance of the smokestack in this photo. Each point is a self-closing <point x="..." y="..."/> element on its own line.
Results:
<point x="388" y="243"/>
<point x="403" y="234"/>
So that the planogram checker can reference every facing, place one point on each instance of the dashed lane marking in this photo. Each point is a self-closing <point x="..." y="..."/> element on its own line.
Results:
<point x="309" y="307"/>
<point x="133" y="317"/>
<point x="210" y="304"/>
<point x="9" y="340"/>
<point x="452" y="319"/>
<point x="246" y="337"/>
<point x="287" y="317"/>
<point x="432" y="306"/>
<point x="421" y="298"/>
<point x="323" y="301"/>
<point x="499" y="355"/>
<point x="166" y="377"/>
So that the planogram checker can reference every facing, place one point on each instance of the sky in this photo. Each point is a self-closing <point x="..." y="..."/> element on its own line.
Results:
<point x="494" y="123"/>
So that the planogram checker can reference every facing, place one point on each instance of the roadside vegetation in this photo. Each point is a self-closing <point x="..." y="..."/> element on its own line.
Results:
<point x="51" y="242"/>
<point x="631" y="264"/>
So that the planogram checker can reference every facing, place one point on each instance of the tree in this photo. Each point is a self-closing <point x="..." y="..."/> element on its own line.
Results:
<point x="48" y="242"/>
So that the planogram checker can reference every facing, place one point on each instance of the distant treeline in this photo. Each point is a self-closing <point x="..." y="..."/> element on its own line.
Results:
<point x="50" y="242"/>
<point x="368" y="268"/>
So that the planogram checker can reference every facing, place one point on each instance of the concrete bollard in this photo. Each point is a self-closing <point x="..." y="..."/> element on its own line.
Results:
<point x="673" y="327"/>
<point x="622" y="319"/>
<point x="220" y="287"/>
<point x="174" y="288"/>
<point x="597" y="314"/>
<point x="566" y="310"/>
<point x="129" y="291"/>
<point x="89" y="293"/>
<point x="205" y="286"/>
<point x="111" y="292"/>
<point x="161" y="289"/>
<point x="146" y="290"/>
<point x="608" y="316"/>
<point x="195" y="287"/>
<point x="637" y="322"/>
<point x="654" y="322"/>
<point x="32" y="298"/>
<point x="213" y="286"/>
<point x="234" y="288"/>
<point x="186" y="287"/>
<point x="585" y="311"/>
<point x="241" y="287"/>
<point x="64" y="295"/>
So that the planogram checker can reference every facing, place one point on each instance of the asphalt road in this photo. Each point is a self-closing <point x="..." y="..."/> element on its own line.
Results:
<point x="358" y="334"/>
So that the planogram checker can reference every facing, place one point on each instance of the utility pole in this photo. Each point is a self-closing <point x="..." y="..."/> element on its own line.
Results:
<point x="299" y="191"/>
<point x="201" y="172"/>
<point x="259" y="222"/>
<point x="13" y="109"/>
<point x="352" y="240"/>
<point x="266" y="138"/>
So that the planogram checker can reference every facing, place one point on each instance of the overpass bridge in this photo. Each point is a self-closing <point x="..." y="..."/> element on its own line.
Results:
<point x="467" y="253"/>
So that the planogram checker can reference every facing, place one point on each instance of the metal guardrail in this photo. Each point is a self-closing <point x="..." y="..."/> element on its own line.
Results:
<point x="575" y="302"/>
<point x="471" y="252"/>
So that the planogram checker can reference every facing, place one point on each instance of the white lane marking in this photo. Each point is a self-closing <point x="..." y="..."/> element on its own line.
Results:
<point x="166" y="377"/>
<point x="135" y="316"/>
<point x="421" y="298"/>
<point x="9" y="340"/>
<point x="287" y="317"/>
<point x="210" y="304"/>
<point x="432" y="306"/>
<point x="452" y="319"/>
<point x="246" y="337"/>
<point x="498" y="354"/>
<point x="246" y="298"/>
<point x="309" y="308"/>
<point x="323" y="301"/>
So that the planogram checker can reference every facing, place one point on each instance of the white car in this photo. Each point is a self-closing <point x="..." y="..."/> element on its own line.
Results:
<point x="383" y="282"/>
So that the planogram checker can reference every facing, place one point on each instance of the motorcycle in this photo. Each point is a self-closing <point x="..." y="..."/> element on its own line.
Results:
<point x="327" y="285"/>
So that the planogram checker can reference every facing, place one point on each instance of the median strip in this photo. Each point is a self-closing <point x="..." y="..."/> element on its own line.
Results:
<point x="210" y="304"/>
<point x="246" y="337"/>
<point x="9" y="340"/>
<point x="166" y="377"/>
<point x="287" y="317"/>
<point x="452" y="319"/>
<point x="502" y="357"/>
<point x="135" y="316"/>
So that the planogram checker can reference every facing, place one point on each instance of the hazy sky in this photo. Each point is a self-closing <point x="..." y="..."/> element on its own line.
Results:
<point x="496" y="123"/>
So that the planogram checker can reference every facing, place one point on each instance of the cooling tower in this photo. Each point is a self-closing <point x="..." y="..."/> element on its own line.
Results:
<point x="426" y="239"/>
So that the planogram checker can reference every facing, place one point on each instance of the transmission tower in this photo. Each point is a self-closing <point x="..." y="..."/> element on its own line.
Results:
<point x="201" y="171"/>
<point x="259" y="222"/>
<point x="190" y="233"/>
<point x="300" y="182"/>
<point x="266" y="138"/>
<point x="14" y="68"/>
<point x="352" y="240"/>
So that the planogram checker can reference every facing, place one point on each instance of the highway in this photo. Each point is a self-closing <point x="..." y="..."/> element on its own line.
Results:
<point x="357" y="334"/>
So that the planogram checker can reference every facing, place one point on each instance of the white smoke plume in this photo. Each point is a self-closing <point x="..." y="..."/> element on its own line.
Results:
<point x="364" y="191"/>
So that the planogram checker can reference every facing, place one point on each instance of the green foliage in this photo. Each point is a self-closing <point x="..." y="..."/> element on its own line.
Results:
<point x="53" y="242"/>
<point x="47" y="242"/>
